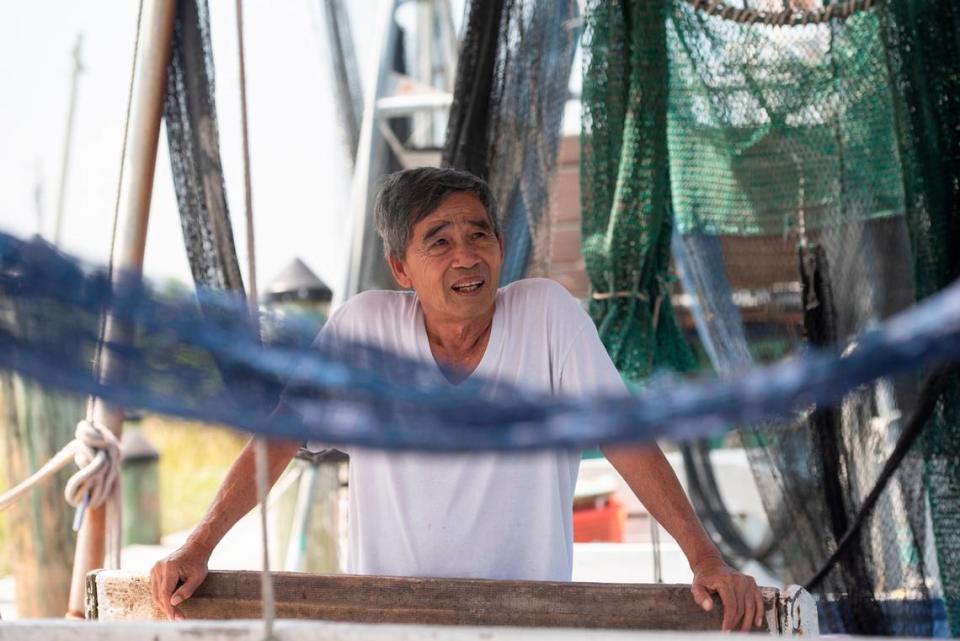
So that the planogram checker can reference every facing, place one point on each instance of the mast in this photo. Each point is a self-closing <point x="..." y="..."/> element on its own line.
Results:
<point x="136" y="186"/>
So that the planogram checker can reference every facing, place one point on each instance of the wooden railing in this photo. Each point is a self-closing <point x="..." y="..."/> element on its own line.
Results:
<point x="121" y="596"/>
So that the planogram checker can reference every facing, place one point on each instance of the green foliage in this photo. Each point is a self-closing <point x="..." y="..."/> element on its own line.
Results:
<point x="194" y="458"/>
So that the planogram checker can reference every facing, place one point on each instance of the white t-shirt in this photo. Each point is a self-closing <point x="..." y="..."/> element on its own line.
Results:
<point x="480" y="515"/>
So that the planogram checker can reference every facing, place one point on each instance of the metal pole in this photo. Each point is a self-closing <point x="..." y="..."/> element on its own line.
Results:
<point x="371" y="152"/>
<point x="422" y="129"/>
<point x="296" y="560"/>
<point x="139" y="162"/>
<point x="345" y="72"/>
<point x="68" y="138"/>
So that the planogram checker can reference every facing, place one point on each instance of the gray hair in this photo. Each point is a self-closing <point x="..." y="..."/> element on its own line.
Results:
<point x="407" y="197"/>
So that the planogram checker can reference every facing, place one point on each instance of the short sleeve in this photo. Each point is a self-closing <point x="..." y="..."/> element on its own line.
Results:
<point x="587" y="370"/>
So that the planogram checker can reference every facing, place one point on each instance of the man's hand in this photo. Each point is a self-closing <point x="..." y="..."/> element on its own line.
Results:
<point x="741" y="598"/>
<point x="648" y="473"/>
<point x="174" y="579"/>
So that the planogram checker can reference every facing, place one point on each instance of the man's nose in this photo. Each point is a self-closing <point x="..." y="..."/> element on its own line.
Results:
<point x="465" y="256"/>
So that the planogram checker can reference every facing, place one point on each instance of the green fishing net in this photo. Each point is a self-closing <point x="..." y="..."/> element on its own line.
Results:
<point x="625" y="188"/>
<point x="771" y="128"/>
<point x="923" y="47"/>
<point x="758" y="147"/>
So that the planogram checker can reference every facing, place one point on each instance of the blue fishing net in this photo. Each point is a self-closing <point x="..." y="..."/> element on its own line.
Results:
<point x="210" y="365"/>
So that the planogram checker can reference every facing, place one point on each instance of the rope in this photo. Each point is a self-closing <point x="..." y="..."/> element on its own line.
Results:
<point x="787" y="17"/>
<point x="96" y="451"/>
<point x="59" y="460"/>
<point x="260" y="447"/>
<point x="266" y="581"/>
<point x="98" y="457"/>
<point x="655" y="548"/>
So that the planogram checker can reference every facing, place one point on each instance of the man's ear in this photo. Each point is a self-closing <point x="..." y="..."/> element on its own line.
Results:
<point x="399" y="271"/>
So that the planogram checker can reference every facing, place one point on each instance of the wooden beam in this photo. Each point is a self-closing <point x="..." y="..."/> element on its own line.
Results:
<point x="118" y="596"/>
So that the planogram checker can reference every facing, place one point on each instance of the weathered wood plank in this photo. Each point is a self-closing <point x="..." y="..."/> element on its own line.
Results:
<point x="472" y="602"/>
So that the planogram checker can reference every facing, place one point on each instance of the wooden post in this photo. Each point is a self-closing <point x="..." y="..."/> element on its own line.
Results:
<point x="136" y="188"/>
<point x="36" y="424"/>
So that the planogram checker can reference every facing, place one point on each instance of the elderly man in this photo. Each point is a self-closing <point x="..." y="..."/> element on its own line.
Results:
<point x="487" y="515"/>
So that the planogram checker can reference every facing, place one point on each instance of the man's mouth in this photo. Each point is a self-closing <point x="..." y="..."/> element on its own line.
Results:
<point x="467" y="285"/>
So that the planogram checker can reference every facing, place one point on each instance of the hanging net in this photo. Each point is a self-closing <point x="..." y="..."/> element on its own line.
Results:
<point x="625" y="189"/>
<point x="190" y="116"/>
<point x="512" y="83"/>
<point x="210" y="365"/>
<point x="922" y="38"/>
<point x="807" y="155"/>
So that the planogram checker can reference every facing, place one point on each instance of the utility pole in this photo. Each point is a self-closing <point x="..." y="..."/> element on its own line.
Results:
<point x="68" y="138"/>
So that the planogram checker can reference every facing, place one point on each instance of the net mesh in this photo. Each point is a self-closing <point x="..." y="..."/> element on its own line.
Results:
<point x="923" y="48"/>
<point x="772" y="132"/>
<point x="190" y="116"/>
<point x="811" y="172"/>
<point x="625" y="190"/>
<point x="512" y="79"/>
<point x="211" y="365"/>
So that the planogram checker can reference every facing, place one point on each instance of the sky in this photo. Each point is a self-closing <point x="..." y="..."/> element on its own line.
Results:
<point x="299" y="168"/>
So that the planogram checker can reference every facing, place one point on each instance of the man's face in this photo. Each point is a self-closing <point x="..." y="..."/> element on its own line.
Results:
<point x="452" y="260"/>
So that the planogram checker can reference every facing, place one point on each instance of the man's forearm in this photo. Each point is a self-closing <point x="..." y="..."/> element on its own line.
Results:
<point x="650" y="476"/>
<point x="238" y="492"/>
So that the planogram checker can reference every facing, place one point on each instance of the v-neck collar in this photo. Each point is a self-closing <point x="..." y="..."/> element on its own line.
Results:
<point x="489" y="353"/>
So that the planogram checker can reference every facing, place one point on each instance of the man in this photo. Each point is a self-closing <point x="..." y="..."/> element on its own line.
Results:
<point x="484" y="515"/>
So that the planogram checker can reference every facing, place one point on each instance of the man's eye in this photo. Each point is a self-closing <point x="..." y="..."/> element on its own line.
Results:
<point x="440" y="241"/>
<point x="480" y="234"/>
